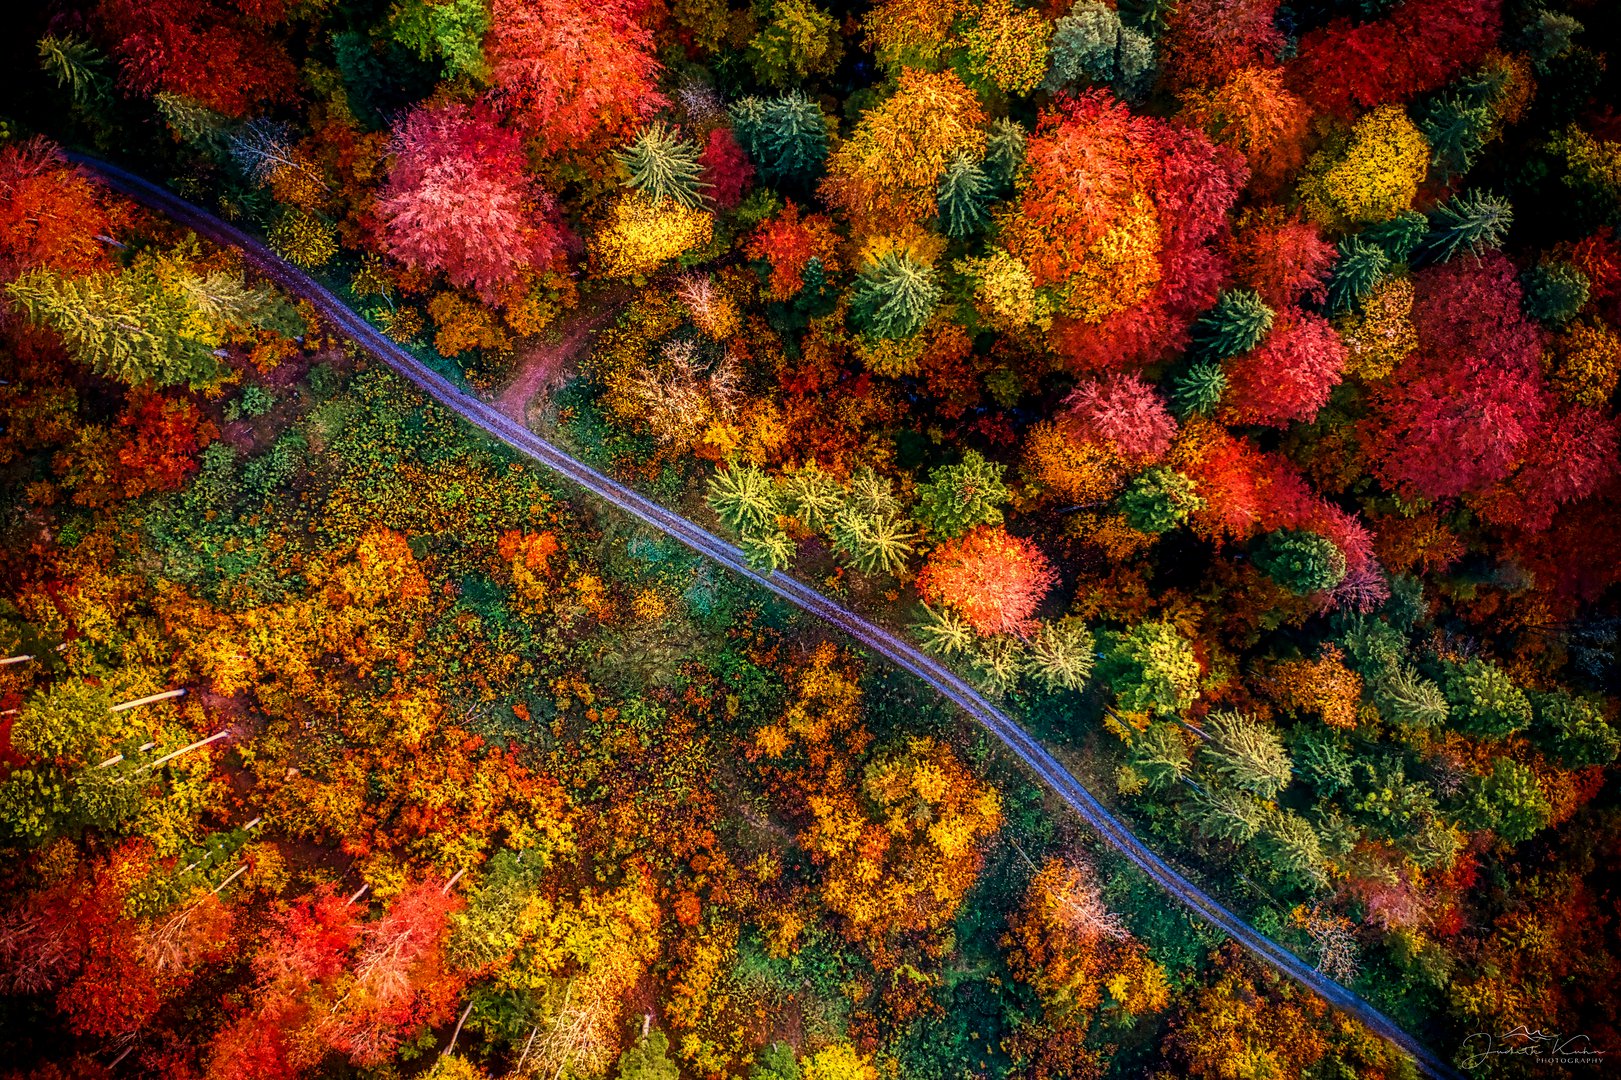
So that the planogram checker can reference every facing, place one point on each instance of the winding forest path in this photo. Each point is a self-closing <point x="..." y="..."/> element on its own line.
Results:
<point x="494" y="422"/>
<point x="545" y="365"/>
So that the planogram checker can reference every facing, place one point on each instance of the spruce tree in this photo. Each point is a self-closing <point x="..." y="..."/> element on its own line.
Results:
<point x="743" y="497"/>
<point x="1358" y="270"/>
<point x="1004" y="154"/>
<point x="1239" y="321"/>
<point x="785" y="137"/>
<point x="1160" y="755"/>
<point x="1061" y="654"/>
<point x="1401" y="236"/>
<point x="1197" y="391"/>
<point x="1092" y="45"/>
<point x="663" y="166"/>
<point x="964" y="197"/>
<point x="894" y="296"/>
<point x="1469" y="223"/>
<point x="1246" y="752"/>
<point x="956" y="498"/>
<point x="1301" y="561"/>
<point x="128" y="326"/>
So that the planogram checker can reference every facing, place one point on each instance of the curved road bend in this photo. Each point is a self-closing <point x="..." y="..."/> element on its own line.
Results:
<point x="897" y="651"/>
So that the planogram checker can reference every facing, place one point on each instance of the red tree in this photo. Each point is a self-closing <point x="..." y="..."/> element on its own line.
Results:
<point x="1572" y="456"/>
<point x="222" y="55"/>
<point x="1289" y="375"/>
<point x="1255" y="114"/>
<point x="399" y="979"/>
<point x="1456" y="415"/>
<point x="1092" y="153"/>
<point x="1122" y="412"/>
<point x="165" y="436"/>
<point x="50" y="213"/>
<point x="581" y="72"/>
<point x="458" y="200"/>
<point x="1346" y="67"/>
<point x="726" y="169"/>
<point x="994" y="580"/>
<point x="1207" y="40"/>
<point x="1286" y="262"/>
<point x="788" y="242"/>
<point x="1442" y="427"/>
<point x="303" y="953"/>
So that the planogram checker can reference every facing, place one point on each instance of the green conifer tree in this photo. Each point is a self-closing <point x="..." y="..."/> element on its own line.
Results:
<point x="785" y="137"/>
<point x="663" y="166"/>
<point x="1198" y="389"/>
<point x="1300" y="560"/>
<point x="957" y="498"/>
<point x="1469" y="223"/>
<point x="1360" y="267"/>
<point x="1246" y="752"/>
<point x="964" y="197"/>
<point x="1239" y="322"/>
<point x="894" y="296"/>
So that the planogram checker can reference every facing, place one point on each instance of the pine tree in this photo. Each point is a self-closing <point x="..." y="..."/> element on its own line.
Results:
<point x="997" y="662"/>
<point x="1457" y="126"/>
<point x="1062" y="654"/>
<point x="1238" y="323"/>
<point x="812" y="496"/>
<point x="1247" y="753"/>
<point x="964" y="198"/>
<point x="894" y="296"/>
<point x="1358" y="270"/>
<point x="768" y="548"/>
<point x="1407" y="698"/>
<point x="662" y="165"/>
<point x="1158" y="500"/>
<point x="874" y="543"/>
<point x="743" y="497"/>
<point x="1294" y="850"/>
<point x="1469" y="223"/>
<point x="1322" y="761"/>
<point x="785" y="137"/>
<point x="956" y="498"/>
<point x="76" y="65"/>
<point x="1301" y="561"/>
<point x="1198" y="390"/>
<point x="871" y="493"/>
<point x="944" y="632"/>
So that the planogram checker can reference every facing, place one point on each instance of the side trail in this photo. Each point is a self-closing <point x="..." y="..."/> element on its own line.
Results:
<point x="493" y="422"/>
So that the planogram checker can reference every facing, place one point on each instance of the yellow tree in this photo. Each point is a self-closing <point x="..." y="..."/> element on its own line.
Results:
<point x="889" y="170"/>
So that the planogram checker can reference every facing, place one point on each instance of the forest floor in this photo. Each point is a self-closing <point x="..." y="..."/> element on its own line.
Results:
<point x="548" y="364"/>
